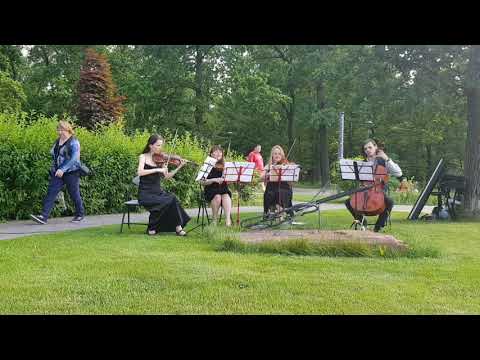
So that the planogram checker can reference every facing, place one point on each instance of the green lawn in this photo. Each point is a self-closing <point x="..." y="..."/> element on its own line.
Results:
<point x="99" y="271"/>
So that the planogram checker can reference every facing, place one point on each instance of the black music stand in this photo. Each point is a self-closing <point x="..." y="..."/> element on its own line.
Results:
<point x="203" y="173"/>
<point x="286" y="173"/>
<point x="427" y="191"/>
<point x="358" y="171"/>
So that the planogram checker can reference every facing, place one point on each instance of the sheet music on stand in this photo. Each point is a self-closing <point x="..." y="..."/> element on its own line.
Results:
<point x="206" y="168"/>
<point x="238" y="171"/>
<point x="290" y="173"/>
<point x="356" y="170"/>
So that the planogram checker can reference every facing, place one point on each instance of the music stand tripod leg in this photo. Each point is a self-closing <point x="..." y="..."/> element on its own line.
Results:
<point x="319" y="225"/>
<point x="202" y="207"/>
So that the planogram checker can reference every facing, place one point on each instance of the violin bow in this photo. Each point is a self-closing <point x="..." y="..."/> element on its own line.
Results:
<point x="291" y="147"/>
<point x="173" y="146"/>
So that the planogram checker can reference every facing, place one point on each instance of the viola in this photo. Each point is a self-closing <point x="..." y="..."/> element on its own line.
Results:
<point x="372" y="201"/>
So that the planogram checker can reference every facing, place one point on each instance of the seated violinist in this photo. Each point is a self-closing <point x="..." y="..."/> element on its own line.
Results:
<point x="372" y="152"/>
<point x="278" y="195"/>
<point x="216" y="190"/>
<point x="166" y="213"/>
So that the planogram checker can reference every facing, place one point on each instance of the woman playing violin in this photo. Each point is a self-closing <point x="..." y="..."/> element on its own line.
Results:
<point x="371" y="151"/>
<point x="216" y="190"/>
<point x="277" y="195"/>
<point x="166" y="213"/>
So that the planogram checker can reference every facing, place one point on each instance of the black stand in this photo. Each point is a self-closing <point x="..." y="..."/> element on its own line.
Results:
<point x="346" y="174"/>
<point x="202" y="207"/>
<point x="239" y="171"/>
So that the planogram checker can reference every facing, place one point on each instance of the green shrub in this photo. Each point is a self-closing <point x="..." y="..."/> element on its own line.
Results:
<point x="111" y="155"/>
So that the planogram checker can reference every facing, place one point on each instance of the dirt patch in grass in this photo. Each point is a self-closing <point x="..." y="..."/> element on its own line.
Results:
<point x="326" y="237"/>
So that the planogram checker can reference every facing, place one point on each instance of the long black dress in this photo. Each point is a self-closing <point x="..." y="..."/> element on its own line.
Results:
<point x="215" y="188"/>
<point x="166" y="213"/>
<point x="277" y="194"/>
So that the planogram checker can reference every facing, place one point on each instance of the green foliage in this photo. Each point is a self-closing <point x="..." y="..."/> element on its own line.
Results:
<point x="256" y="91"/>
<point x="111" y="155"/>
<point x="12" y="96"/>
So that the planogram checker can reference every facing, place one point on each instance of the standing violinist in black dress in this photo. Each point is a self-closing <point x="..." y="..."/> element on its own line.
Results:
<point x="166" y="213"/>
<point x="216" y="190"/>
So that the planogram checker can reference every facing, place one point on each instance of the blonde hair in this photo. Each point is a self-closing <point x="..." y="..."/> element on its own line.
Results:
<point x="64" y="124"/>
<point x="276" y="147"/>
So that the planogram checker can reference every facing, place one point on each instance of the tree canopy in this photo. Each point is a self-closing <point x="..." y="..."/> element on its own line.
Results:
<point x="421" y="100"/>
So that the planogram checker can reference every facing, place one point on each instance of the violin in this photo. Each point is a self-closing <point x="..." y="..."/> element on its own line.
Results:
<point x="372" y="201"/>
<point x="162" y="158"/>
<point x="269" y="170"/>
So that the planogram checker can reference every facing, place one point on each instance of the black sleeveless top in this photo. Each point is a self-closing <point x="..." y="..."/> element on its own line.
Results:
<point x="215" y="188"/>
<point x="150" y="193"/>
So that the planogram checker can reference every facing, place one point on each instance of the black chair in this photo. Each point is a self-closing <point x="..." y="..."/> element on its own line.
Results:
<point x="130" y="205"/>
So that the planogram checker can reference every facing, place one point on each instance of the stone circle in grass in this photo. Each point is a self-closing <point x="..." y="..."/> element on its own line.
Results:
<point x="326" y="237"/>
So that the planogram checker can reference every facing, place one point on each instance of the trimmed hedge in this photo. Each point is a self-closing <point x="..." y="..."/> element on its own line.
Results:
<point x="111" y="155"/>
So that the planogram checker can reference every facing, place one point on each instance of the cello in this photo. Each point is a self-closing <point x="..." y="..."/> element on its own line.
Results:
<point x="372" y="201"/>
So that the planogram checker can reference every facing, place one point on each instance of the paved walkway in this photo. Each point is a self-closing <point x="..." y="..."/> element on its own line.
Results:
<point x="20" y="228"/>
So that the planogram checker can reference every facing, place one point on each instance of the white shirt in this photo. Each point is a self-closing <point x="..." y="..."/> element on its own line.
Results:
<point x="393" y="168"/>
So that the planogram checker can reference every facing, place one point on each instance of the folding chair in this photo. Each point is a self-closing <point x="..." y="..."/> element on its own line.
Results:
<point x="130" y="205"/>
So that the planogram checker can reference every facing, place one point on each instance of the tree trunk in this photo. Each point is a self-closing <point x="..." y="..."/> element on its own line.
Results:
<point x="199" y="106"/>
<point x="323" y="154"/>
<point x="428" y="149"/>
<point x="349" y="150"/>
<point x="290" y="118"/>
<point x="315" y="162"/>
<point x="472" y="148"/>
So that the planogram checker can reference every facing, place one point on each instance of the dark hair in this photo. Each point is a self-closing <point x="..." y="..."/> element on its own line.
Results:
<point x="217" y="147"/>
<point x="151" y="140"/>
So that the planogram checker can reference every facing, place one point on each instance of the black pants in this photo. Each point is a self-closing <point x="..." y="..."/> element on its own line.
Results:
<point x="382" y="218"/>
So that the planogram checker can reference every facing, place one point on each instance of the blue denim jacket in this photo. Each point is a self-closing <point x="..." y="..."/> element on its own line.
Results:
<point x="68" y="157"/>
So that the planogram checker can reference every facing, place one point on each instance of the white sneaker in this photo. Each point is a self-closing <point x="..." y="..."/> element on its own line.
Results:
<point x="39" y="219"/>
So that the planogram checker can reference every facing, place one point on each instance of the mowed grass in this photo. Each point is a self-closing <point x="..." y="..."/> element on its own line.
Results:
<point x="99" y="271"/>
